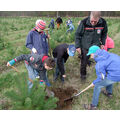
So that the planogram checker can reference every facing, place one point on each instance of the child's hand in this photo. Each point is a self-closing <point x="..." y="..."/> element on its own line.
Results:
<point x="8" y="64"/>
<point x="64" y="76"/>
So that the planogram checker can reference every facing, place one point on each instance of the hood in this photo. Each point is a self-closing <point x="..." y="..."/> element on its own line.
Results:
<point x="101" y="55"/>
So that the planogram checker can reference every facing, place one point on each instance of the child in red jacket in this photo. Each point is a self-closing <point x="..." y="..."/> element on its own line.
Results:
<point x="109" y="43"/>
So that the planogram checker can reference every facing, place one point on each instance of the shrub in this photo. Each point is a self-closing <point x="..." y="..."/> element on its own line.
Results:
<point x="35" y="99"/>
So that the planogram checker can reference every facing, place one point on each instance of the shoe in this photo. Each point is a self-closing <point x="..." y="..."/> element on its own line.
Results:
<point x="48" y="84"/>
<point x="109" y="95"/>
<point x="62" y="79"/>
<point x="89" y="107"/>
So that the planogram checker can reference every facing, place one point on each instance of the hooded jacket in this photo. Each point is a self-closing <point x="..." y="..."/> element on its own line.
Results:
<point x="107" y="65"/>
<point x="38" y="41"/>
<point x="87" y="35"/>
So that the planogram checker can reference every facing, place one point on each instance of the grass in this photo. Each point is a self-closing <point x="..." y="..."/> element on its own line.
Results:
<point x="14" y="31"/>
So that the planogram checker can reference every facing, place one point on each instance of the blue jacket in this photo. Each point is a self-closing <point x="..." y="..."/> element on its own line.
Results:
<point x="71" y="26"/>
<point x="38" y="41"/>
<point x="107" y="65"/>
<point x="51" y="25"/>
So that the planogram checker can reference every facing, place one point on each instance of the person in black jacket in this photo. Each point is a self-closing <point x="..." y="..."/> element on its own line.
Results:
<point x="61" y="54"/>
<point x="59" y="21"/>
<point x="91" y="31"/>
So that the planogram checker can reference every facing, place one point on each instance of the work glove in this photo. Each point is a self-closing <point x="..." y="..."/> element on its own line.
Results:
<point x="12" y="62"/>
<point x="34" y="50"/>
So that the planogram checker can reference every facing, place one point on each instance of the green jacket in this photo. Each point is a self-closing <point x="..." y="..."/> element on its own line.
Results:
<point x="88" y="35"/>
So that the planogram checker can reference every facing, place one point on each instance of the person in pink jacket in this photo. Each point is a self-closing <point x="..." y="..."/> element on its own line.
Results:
<point x="109" y="43"/>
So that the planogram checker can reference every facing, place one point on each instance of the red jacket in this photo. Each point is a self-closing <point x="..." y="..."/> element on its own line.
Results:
<point x="109" y="43"/>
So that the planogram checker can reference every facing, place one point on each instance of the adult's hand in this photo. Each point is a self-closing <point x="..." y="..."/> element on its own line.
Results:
<point x="78" y="50"/>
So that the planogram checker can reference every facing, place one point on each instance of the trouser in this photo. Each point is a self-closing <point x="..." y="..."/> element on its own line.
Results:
<point x="58" y="25"/>
<point x="97" y="89"/>
<point x="57" y="71"/>
<point x="84" y="62"/>
<point x="70" y="30"/>
<point x="32" y="73"/>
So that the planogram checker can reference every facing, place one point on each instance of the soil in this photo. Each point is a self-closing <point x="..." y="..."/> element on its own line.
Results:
<point x="63" y="93"/>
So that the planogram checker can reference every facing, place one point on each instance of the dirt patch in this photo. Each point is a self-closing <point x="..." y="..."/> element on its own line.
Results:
<point x="63" y="94"/>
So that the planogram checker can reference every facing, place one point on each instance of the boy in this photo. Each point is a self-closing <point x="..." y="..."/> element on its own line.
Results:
<point x="107" y="71"/>
<point x="61" y="54"/>
<point x="39" y="63"/>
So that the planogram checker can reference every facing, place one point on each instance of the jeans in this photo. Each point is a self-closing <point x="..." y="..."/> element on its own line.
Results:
<point x="57" y="71"/>
<point x="70" y="30"/>
<point x="97" y="89"/>
<point x="32" y="73"/>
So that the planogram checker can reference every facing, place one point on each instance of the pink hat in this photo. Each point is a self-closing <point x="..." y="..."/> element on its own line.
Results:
<point x="41" y="25"/>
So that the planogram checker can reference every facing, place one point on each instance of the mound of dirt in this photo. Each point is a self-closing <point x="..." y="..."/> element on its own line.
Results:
<point x="63" y="94"/>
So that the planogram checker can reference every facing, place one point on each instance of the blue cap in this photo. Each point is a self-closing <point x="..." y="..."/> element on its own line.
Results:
<point x="71" y="50"/>
<point x="93" y="49"/>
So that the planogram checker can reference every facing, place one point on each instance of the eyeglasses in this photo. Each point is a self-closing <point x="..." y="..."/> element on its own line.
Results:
<point x="93" y="21"/>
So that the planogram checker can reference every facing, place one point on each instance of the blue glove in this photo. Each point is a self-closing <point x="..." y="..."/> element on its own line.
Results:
<point x="12" y="62"/>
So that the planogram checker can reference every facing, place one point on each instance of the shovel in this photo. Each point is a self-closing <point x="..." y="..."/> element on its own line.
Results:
<point x="18" y="72"/>
<point x="70" y="98"/>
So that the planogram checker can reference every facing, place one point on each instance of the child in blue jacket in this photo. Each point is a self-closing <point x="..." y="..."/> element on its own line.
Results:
<point x="51" y="25"/>
<point x="70" y="25"/>
<point x="107" y="71"/>
<point x="37" y="39"/>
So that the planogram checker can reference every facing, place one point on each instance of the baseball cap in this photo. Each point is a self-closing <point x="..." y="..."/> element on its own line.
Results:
<point x="71" y="50"/>
<point x="93" y="49"/>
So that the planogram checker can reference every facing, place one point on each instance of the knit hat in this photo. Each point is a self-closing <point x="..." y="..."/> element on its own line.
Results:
<point x="93" y="49"/>
<point x="40" y="25"/>
<point x="71" y="50"/>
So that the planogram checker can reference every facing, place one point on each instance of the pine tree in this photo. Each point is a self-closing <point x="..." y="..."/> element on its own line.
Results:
<point x="35" y="99"/>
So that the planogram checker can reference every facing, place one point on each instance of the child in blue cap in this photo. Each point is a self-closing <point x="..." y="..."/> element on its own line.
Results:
<point x="61" y="53"/>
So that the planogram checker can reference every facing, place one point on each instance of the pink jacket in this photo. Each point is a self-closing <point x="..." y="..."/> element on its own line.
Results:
<point x="109" y="43"/>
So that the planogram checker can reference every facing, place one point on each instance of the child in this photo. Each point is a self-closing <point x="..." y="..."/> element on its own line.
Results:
<point x="39" y="63"/>
<point x="58" y="21"/>
<point x="51" y="25"/>
<point x="37" y="39"/>
<point x="109" y="43"/>
<point x="61" y="54"/>
<point x="106" y="71"/>
<point x="70" y="25"/>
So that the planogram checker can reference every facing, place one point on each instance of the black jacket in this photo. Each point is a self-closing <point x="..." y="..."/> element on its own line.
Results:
<point x="59" y="20"/>
<point x="60" y="52"/>
<point x="33" y="60"/>
<point x="88" y="35"/>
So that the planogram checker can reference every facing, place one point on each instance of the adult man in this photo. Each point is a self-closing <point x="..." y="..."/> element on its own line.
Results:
<point x="91" y="31"/>
<point x="106" y="71"/>
<point x="61" y="53"/>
